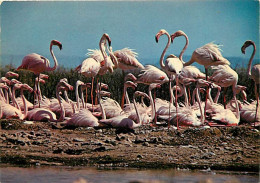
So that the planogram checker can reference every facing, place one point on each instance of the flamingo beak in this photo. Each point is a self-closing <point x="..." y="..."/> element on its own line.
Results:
<point x="156" y="39"/>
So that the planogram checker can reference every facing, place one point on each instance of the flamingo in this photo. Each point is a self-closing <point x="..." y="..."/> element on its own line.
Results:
<point x="85" y="118"/>
<point x="173" y="65"/>
<point x="42" y="114"/>
<point x="188" y="114"/>
<point x="123" y="121"/>
<point x="254" y="72"/>
<point x="38" y="64"/>
<point x="125" y="94"/>
<point x="10" y="111"/>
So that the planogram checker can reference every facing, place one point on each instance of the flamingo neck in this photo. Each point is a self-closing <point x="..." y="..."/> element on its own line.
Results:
<point x="210" y="97"/>
<point x="54" y="59"/>
<point x="199" y="102"/>
<point x="164" y="51"/>
<point x="251" y="60"/>
<point x="14" y="100"/>
<point x="151" y="103"/>
<point x="62" y="116"/>
<point x="185" y="47"/>
<point x="82" y="98"/>
<point x="102" y="47"/>
<point x="77" y="95"/>
<point x="24" y="104"/>
<point x="137" y="112"/>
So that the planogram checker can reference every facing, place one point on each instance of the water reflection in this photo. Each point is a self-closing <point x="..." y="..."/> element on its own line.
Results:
<point x="92" y="175"/>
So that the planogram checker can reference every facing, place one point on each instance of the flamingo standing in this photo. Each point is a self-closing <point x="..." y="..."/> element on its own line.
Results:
<point x="38" y="64"/>
<point x="254" y="72"/>
<point x="224" y="76"/>
<point x="172" y="66"/>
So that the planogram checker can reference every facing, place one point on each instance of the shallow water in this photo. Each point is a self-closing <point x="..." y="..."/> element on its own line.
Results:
<point x="71" y="174"/>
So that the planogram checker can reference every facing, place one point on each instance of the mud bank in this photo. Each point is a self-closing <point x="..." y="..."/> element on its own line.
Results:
<point x="215" y="148"/>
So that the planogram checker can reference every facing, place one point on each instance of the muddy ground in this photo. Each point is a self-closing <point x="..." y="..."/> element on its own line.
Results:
<point x="215" y="148"/>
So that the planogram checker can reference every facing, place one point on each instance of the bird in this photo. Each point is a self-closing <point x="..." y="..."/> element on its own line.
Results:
<point x="172" y="66"/>
<point x="85" y="118"/>
<point x="38" y="64"/>
<point x="131" y="84"/>
<point x="123" y="121"/>
<point x="43" y="114"/>
<point x="9" y="111"/>
<point x="254" y="72"/>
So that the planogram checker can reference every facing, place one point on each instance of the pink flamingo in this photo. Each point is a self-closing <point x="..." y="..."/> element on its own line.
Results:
<point x="254" y="72"/>
<point x="85" y="118"/>
<point x="10" y="111"/>
<point x="38" y="64"/>
<point x="125" y="94"/>
<point x="173" y="65"/>
<point x="42" y="114"/>
<point x="123" y="121"/>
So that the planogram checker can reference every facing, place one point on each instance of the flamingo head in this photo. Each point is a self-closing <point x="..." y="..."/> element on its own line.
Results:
<point x="80" y="83"/>
<point x="161" y="32"/>
<point x="5" y="80"/>
<point x="130" y="76"/>
<point x="106" y="37"/>
<point x="245" y="45"/>
<point x="57" y="43"/>
<point x="88" y="85"/>
<point x="177" y="34"/>
<point x="27" y="87"/>
<point x="2" y="85"/>
<point x="44" y="76"/>
<point x="141" y="94"/>
<point x="131" y="84"/>
<point x="11" y="74"/>
<point x="42" y="81"/>
<point x="105" y="93"/>
<point x="14" y="81"/>
<point x="104" y="86"/>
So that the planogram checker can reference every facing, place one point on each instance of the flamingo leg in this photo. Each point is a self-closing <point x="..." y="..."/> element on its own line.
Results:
<point x="169" y="102"/>
<point x="224" y="98"/>
<point x="92" y="93"/>
<point x="38" y="93"/>
<point x="257" y="103"/>
<point x="155" y="117"/>
<point x="96" y="99"/>
<point x="189" y="96"/>
<point x="176" y="103"/>
<point x="207" y="91"/>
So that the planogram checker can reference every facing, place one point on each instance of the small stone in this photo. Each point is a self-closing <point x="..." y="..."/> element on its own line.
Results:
<point x="146" y="144"/>
<point x="139" y="156"/>
<point x="78" y="140"/>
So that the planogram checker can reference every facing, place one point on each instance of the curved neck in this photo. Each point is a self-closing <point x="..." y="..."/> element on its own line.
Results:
<point x="82" y="97"/>
<point x="77" y="95"/>
<point x="66" y="96"/>
<point x="185" y="95"/>
<point x="137" y="112"/>
<point x="62" y="116"/>
<point x="152" y="103"/>
<point x="14" y="100"/>
<point x="251" y="60"/>
<point x="209" y="95"/>
<point x="54" y="59"/>
<point x="199" y="102"/>
<point x="102" y="47"/>
<point x="164" y="51"/>
<point x="24" y="104"/>
<point x="185" y="47"/>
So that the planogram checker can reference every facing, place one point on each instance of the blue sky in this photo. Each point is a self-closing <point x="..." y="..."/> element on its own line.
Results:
<point x="28" y="27"/>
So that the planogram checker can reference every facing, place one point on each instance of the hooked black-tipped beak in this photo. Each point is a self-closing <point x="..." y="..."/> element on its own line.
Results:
<point x="243" y="49"/>
<point x="156" y="39"/>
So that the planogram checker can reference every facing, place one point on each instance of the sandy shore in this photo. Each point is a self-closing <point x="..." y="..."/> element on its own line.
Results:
<point x="215" y="148"/>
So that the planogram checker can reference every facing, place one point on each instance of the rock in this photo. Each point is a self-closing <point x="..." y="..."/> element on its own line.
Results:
<point x="139" y="156"/>
<point x="78" y="140"/>
<point x="146" y="144"/>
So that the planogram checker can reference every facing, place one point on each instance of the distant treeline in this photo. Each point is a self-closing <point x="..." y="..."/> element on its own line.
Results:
<point x="115" y="83"/>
